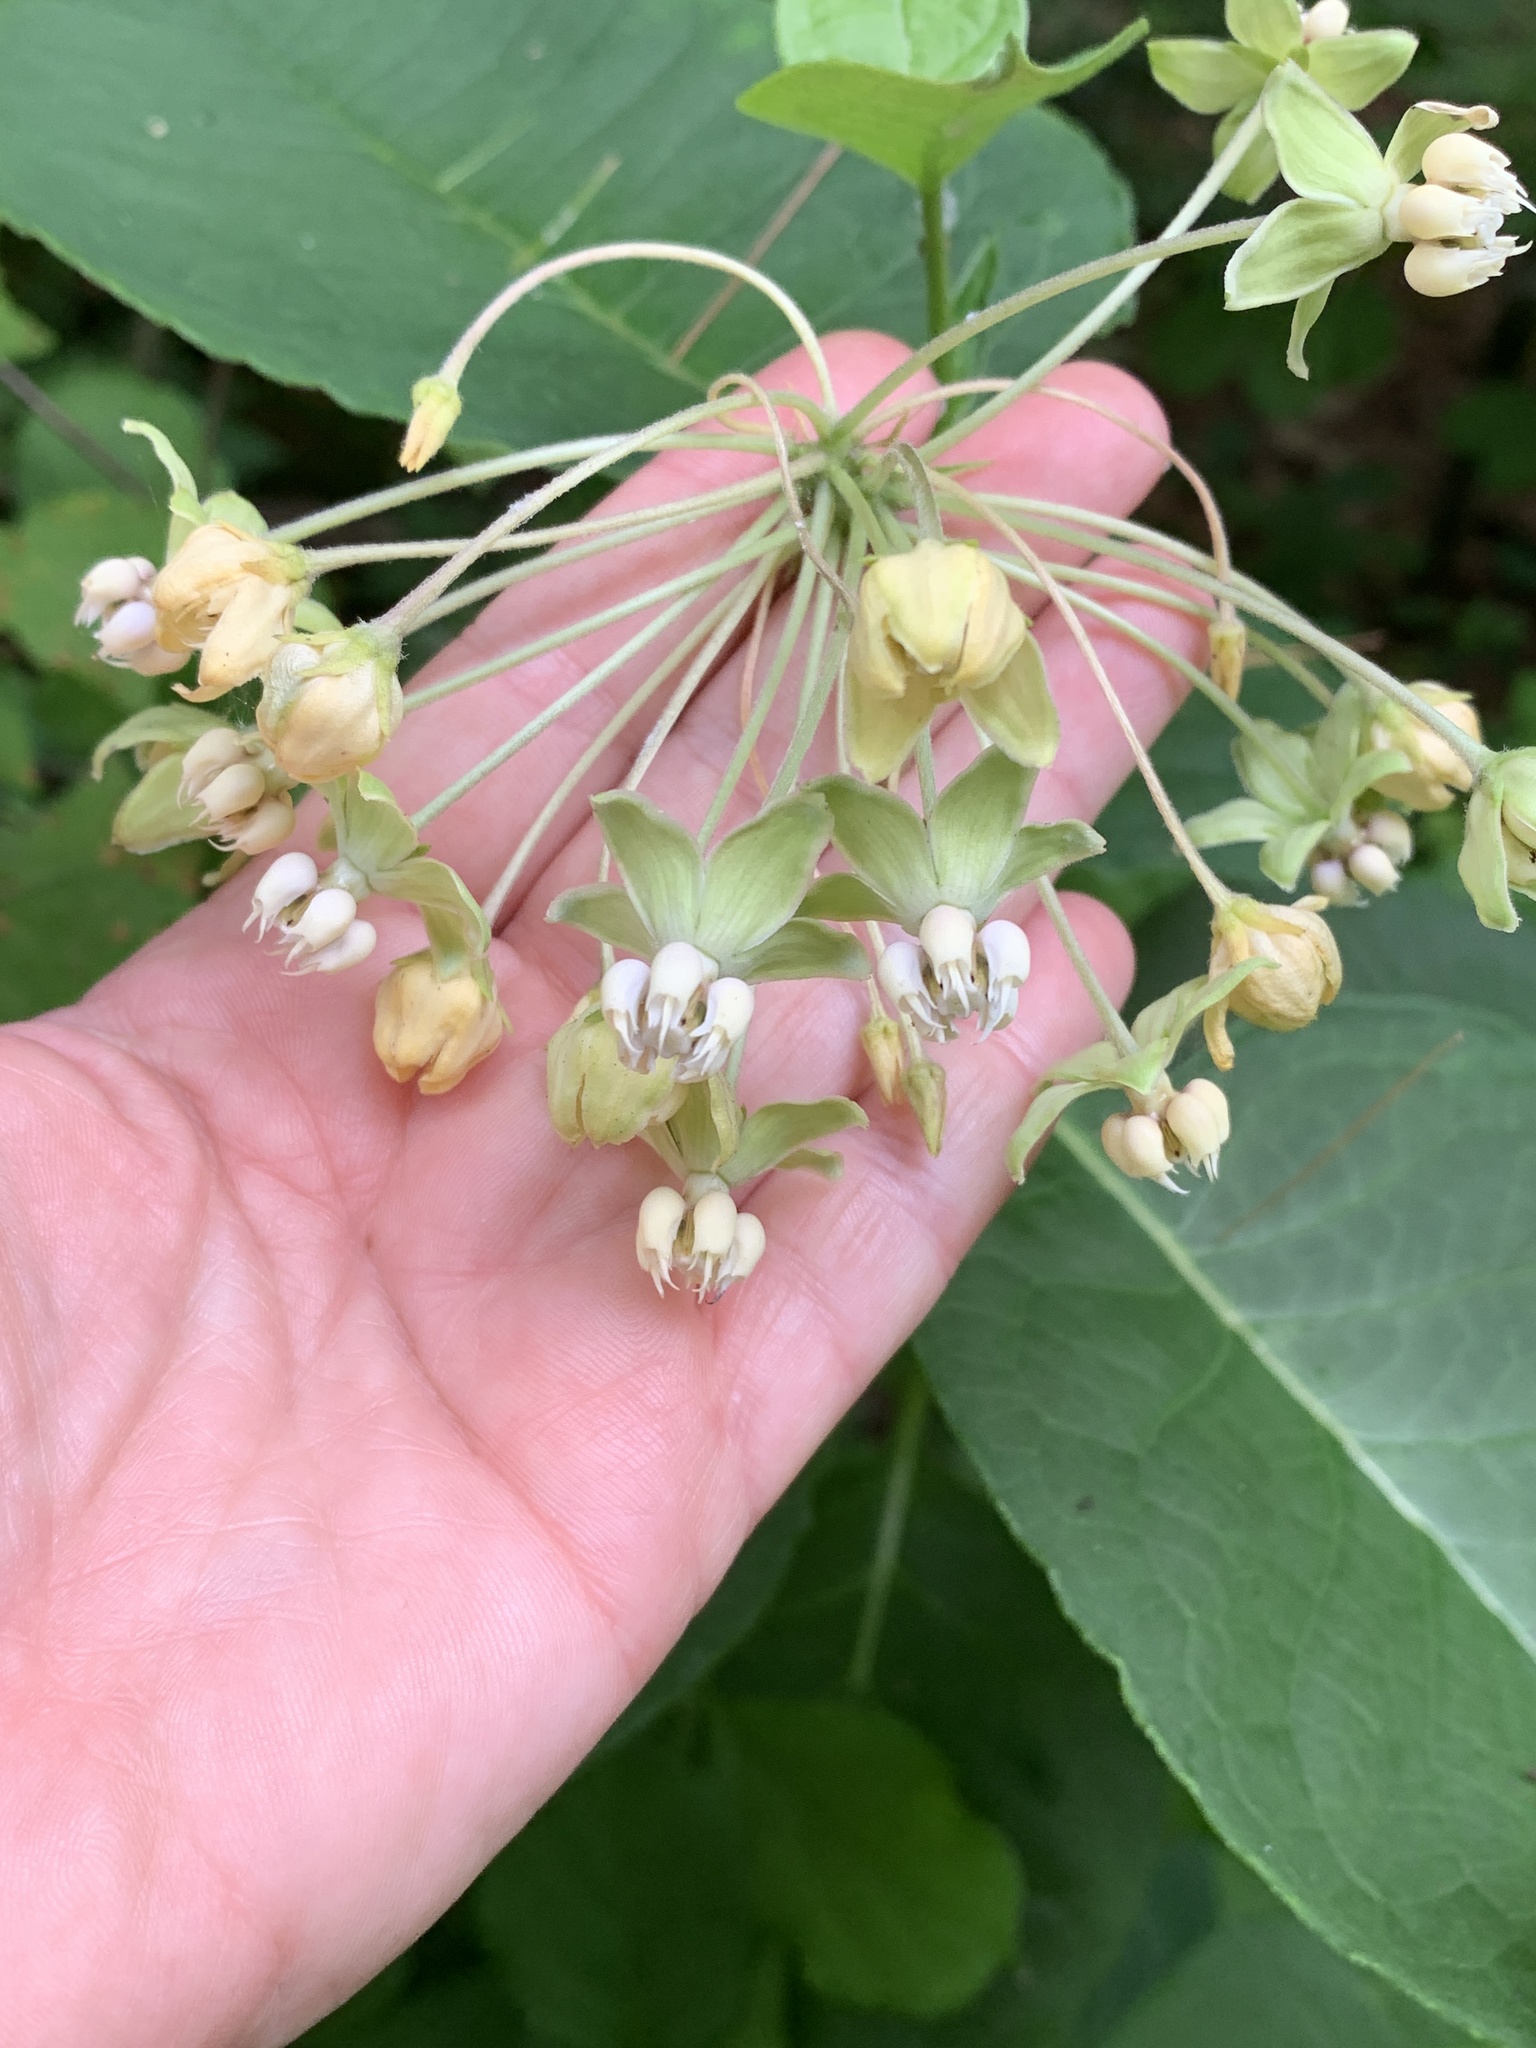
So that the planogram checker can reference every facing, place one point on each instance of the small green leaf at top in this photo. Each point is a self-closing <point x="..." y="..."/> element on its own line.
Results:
<point x="894" y="1894"/>
<point x="922" y="129"/>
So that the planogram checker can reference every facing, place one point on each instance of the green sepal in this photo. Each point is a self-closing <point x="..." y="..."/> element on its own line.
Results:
<point x="1309" y="310"/>
<point x="1271" y="27"/>
<point x="920" y="128"/>
<point x="1419" y="127"/>
<point x="803" y="950"/>
<point x="1206" y="76"/>
<point x="757" y="875"/>
<point x="1483" y="864"/>
<point x="231" y="509"/>
<point x="607" y="913"/>
<point x="1016" y="712"/>
<point x="152" y="816"/>
<point x="1324" y="152"/>
<point x="185" y="505"/>
<point x="457" y="930"/>
<point x="310" y="616"/>
<point x="1040" y="849"/>
<point x="828" y="1164"/>
<point x="593" y="1096"/>
<point x="706" y="1125"/>
<point x="1161" y="1025"/>
<point x="163" y="725"/>
<point x="1301" y="247"/>
<point x="660" y="863"/>
<point x="882" y="839"/>
<point x="777" y="1132"/>
<point x="1243" y="821"/>
<point x="370" y="829"/>
<point x="1042" y="1117"/>
<point x="1258" y="166"/>
<point x="1354" y="69"/>
<point x="972" y="827"/>
<point x="1283" y="857"/>
<point x="846" y="899"/>
<point x="1266" y="777"/>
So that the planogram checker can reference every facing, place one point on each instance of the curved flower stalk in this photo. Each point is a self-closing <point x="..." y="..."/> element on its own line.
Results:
<point x="864" y="620"/>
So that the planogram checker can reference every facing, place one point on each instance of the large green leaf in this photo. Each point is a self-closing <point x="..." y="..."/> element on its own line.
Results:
<point x="1277" y="1446"/>
<point x="336" y="222"/>
<point x="946" y="39"/>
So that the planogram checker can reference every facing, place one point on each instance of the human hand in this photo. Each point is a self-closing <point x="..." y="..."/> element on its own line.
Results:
<point x="353" y="1476"/>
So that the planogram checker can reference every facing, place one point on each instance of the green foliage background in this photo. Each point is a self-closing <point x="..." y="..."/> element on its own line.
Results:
<point x="1271" y="1453"/>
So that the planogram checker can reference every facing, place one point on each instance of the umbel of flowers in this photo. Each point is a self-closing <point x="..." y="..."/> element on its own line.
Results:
<point x="878" y="595"/>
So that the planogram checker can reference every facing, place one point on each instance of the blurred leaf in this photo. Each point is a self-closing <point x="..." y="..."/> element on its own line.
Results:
<point x="1496" y="425"/>
<point x="98" y="397"/>
<point x="464" y="2011"/>
<point x="619" y="1914"/>
<point x="1308" y="1541"/>
<point x="894" y="1894"/>
<point x="18" y="750"/>
<point x="44" y="556"/>
<point x="22" y="337"/>
<point x="922" y="129"/>
<point x="946" y="39"/>
<point x="734" y="1608"/>
<point x="367" y="211"/>
<point x="71" y="904"/>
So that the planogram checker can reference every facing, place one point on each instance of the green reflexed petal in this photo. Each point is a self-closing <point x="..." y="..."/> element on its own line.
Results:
<point x="847" y="899"/>
<point x="608" y="914"/>
<point x="168" y="725"/>
<point x="1258" y="166"/>
<point x="1482" y="867"/>
<point x="756" y="876"/>
<point x="1042" y="1117"/>
<point x="706" y="1125"/>
<point x="972" y="828"/>
<point x="186" y="506"/>
<point x="1162" y="1024"/>
<point x="659" y="860"/>
<point x="371" y="829"/>
<point x="1041" y="849"/>
<point x="1365" y="773"/>
<point x="804" y="951"/>
<point x="1419" y="127"/>
<point x="1205" y="76"/>
<point x="151" y="816"/>
<point x="1272" y="27"/>
<point x="882" y="838"/>
<point x="1324" y="152"/>
<point x="772" y="1133"/>
<point x="1309" y="310"/>
<point x="881" y="731"/>
<point x="1016" y="712"/>
<point x="828" y="1164"/>
<point x="1242" y="822"/>
<point x="1283" y="859"/>
<point x="1354" y="69"/>
<point x="1302" y="246"/>
<point x="1262" y="761"/>
<point x="457" y="930"/>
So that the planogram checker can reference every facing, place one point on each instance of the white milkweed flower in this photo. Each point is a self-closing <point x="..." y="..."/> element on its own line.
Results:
<point x="1136" y="1145"/>
<point x="728" y="1008"/>
<point x="953" y="972"/>
<point x="127" y="637"/>
<point x="661" y="1218"/>
<point x="119" y="580"/>
<point x="701" y="1235"/>
<point x="327" y="914"/>
<point x="620" y="994"/>
<point x="1442" y="270"/>
<point x="1330" y="878"/>
<point x="1393" y="834"/>
<point x="291" y="877"/>
<point x="678" y="972"/>
<point x="1455" y="217"/>
<point x="1329" y="18"/>
<point x="319" y="927"/>
<point x="350" y="950"/>
<point x="1199" y="1122"/>
<point x="1466" y="163"/>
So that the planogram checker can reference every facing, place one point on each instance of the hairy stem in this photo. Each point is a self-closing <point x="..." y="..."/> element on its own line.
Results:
<point x="1115" y="1026"/>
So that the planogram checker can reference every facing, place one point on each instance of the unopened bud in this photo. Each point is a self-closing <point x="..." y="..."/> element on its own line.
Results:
<point x="923" y="1085"/>
<point x="1372" y="868"/>
<point x="433" y="1030"/>
<point x="661" y="1217"/>
<point x="881" y="1039"/>
<point x="595" y="1092"/>
<point x="330" y="704"/>
<point x="1228" y="639"/>
<point x="436" y="406"/>
<point x="1436" y="771"/>
<point x="1330" y="879"/>
<point x="1135" y="1144"/>
<point x="119" y="580"/>
<point x="268" y="825"/>
<point x="1392" y="834"/>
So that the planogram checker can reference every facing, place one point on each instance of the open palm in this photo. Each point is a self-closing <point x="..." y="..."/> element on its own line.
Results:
<point x="352" y="1477"/>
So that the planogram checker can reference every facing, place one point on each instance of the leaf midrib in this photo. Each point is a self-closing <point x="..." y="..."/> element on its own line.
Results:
<point x="1114" y="1184"/>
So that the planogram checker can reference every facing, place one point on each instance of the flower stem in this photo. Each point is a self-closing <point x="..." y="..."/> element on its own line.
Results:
<point x="936" y="260"/>
<point x="1114" y="1024"/>
<point x="895" y="1506"/>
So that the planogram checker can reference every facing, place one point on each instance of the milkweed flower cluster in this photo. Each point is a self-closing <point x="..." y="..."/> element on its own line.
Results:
<point x="890" y="595"/>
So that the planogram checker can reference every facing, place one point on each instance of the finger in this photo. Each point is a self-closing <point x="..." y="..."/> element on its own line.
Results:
<point x="441" y="741"/>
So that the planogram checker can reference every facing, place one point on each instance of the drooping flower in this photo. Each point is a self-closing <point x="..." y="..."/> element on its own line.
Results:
<point x="433" y="1029"/>
<point x="703" y="1236"/>
<point x="330" y="703"/>
<point x="953" y="971"/>
<point x="229" y="596"/>
<point x="1303" y="974"/>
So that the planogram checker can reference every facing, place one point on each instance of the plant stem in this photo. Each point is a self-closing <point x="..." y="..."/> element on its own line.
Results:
<point x="936" y="261"/>
<point x="901" y="1473"/>
<point x="1036" y="295"/>
<point x="1170" y="242"/>
<point x="1114" y="1024"/>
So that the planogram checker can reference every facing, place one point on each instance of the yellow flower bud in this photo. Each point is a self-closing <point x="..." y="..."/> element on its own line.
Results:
<point x="433" y="1031"/>
<point x="329" y="705"/>
<point x="923" y="1085"/>
<point x="881" y="1039"/>
<point x="941" y="612"/>
<point x="1305" y="973"/>
<point x="594" y="1094"/>
<point x="1229" y="650"/>
<point x="1437" y="772"/>
<point x="437" y="405"/>
<point x="231" y="593"/>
